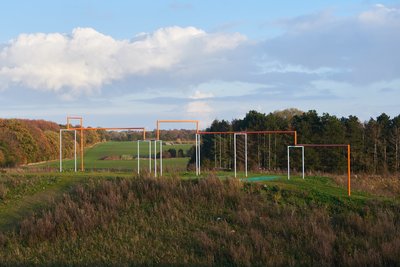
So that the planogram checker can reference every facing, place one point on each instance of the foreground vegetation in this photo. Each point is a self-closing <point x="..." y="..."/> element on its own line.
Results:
<point x="118" y="219"/>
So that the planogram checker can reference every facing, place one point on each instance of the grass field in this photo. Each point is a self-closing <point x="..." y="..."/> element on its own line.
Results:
<point x="107" y="156"/>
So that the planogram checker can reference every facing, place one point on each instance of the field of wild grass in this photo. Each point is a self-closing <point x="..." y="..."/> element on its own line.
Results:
<point x="118" y="219"/>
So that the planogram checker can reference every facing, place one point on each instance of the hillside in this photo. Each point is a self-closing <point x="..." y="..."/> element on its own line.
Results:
<point x="27" y="141"/>
<point x="117" y="219"/>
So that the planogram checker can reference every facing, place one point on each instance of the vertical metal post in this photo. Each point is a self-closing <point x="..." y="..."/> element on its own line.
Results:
<point x="288" y="162"/>
<point x="161" y="159"/>
<point x="199" y="157"/>
<point x="215" y="152"/>
<point x="245" y="151"/>
<point x="234" y="151"/>
<point x="197" y="163"/>
<point x="348" y="171"/>
<point x="60" y="150"/>
<point x="138" y="156"/>
<point x="82" y="164"/>
<point x="302" y="150"/>
<point x="75" y="149"/>
<point x="155" y="158"/>
<point x="288" y="159"/>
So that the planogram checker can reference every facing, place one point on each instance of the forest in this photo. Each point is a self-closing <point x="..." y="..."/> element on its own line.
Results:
<point x="375" y="143"/>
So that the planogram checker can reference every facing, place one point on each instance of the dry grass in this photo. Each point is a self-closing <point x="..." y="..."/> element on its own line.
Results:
<point x="375" y="184"/>
<point x="203" y="222"/>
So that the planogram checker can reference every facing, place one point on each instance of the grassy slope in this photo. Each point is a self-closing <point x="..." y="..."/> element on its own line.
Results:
<point x="306" y="222"/>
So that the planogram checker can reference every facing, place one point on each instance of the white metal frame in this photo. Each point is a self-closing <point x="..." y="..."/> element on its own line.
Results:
<point x="288" y="159"/>
<point x="150" y="156"/>
<point x="245" y="150"/>
<point x="67" y="130"/>
<point x="198" y="163"/>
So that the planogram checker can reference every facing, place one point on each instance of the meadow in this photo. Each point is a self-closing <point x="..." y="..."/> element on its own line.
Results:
<point x="121" y="156"/>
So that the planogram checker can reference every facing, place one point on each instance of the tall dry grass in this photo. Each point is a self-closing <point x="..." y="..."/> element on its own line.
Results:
<point x="203" y="222"/>
<point x="388" y="185"/>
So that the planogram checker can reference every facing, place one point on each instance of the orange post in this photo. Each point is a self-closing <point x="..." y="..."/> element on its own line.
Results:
<point x="158" y="130"/>
<point x="348" y="160"/>
<point x="295" y="138"/>
<point x="69" y="118"/>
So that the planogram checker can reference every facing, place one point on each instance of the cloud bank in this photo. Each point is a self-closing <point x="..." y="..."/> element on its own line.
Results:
<point x="86" y="60"/>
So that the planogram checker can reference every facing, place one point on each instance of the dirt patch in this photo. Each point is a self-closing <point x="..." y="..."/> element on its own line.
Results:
<point x="117" y="157"/>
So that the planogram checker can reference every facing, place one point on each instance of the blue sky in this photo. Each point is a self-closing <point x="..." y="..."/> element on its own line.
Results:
<point x="128" y="63"/>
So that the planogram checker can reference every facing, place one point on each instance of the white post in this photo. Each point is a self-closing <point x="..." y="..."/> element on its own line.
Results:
<point x="60" y="150"/>
<point x="234" y="149"/>
<point x="199" y="156"/>
<point x="303" y="159"/>
<point x="75" y="148"/>
<point x="138" y="156"/>
<point x="288" y="159"/>
<point x="155" y="158"/>
<point x="245" y="148"/>
<point x="161" y="159"/>
<point x="288" y="162"/>
<point x="197" y="164"/>
<point x="245" y="151"/>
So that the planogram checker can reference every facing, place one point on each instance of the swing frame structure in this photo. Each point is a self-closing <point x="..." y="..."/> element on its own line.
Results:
<point x="245" y="133"/>
<point x="150" y="155"/>
<point x="197" y="145"/>
<point x="82" y="129"/>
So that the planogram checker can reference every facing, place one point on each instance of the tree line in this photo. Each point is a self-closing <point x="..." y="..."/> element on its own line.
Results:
<point x="375" y="144"/>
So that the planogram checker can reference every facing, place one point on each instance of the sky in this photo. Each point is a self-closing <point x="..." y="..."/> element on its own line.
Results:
<point x="128" y="63"/>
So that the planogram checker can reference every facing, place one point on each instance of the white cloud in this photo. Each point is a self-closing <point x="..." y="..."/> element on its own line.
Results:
<point x="381" y="15"/>
<point x="201" y="95"/>
<point x="198" y="108"/>
<point x="86" y="60"/>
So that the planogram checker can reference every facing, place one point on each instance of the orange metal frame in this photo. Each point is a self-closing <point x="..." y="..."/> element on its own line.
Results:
<point x="348" y="159"/>
<point x="143" y="129"/>
<point x="81" y="128"/>
<point x="294" y="133"/>
<point x="175" y="121"/>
